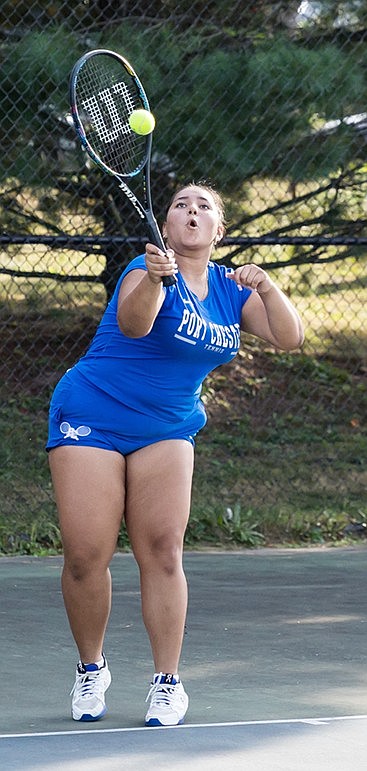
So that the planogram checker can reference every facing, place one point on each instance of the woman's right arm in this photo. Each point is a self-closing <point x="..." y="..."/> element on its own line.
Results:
<point x="141" y="293"/>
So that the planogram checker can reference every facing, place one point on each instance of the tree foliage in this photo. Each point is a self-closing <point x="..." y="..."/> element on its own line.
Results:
<point x="240" y="91"/>
<point x="230" y="113"/>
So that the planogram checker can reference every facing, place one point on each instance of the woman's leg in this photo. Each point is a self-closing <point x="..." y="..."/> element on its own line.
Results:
<point x="89" y="486"/>
<point x="157" y="509"/>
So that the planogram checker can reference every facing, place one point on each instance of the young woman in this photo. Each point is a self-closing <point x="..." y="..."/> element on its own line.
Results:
<point x="122" y="428"/>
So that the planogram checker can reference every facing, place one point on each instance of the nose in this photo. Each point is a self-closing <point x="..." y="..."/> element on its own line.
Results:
<point x="193" y="209"/>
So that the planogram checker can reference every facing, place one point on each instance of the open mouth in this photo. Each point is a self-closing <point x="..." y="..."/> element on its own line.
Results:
<point x="192" y="223"/>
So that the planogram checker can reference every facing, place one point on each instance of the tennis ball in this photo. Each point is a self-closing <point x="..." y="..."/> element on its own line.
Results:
<point x="142" y="122"/>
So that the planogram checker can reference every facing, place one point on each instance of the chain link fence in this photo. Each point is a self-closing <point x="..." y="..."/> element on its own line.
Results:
<point x="267" y="102"/>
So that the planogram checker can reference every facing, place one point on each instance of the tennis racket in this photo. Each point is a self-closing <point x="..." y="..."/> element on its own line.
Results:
<point x="104" y="91"/>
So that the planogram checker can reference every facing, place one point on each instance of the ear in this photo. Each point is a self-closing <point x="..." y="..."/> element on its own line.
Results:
<point x="220" y="234"/>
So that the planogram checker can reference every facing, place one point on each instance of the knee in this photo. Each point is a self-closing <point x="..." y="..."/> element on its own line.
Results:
<point x="165" y="552"/>
<point x="80" y="565"/>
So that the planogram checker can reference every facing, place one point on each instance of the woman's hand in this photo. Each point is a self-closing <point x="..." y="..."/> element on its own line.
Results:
<point x="268" y="312"/>
<point x="159" y="263"/>
<point x="142" y="295"/>
<point x="252" y="277"/>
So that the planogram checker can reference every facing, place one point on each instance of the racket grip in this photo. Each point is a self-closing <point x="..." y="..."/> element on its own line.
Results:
<point x="158" y="240"/>
<point x="169" y="280"/>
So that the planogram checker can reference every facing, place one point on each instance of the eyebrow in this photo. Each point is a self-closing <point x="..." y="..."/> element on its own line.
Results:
<point x="185" y="197"/>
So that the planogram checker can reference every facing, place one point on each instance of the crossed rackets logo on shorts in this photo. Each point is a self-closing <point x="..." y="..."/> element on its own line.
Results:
<point x="74" y="433"/>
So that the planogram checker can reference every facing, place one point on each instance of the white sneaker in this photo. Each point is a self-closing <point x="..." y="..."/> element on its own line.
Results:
<point x="88" y="701"/>
<point x="168" y="701"/>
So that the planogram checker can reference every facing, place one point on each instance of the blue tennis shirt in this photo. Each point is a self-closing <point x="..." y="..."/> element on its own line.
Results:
<point x="161" y="374"/>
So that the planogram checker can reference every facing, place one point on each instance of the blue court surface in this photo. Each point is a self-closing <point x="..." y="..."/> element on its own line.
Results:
<point x="274" y="662"/>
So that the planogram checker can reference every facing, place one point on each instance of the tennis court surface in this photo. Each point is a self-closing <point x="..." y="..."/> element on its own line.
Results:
<point x="274" y="661"/>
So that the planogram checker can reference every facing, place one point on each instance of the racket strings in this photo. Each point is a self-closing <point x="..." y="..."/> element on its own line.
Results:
<point x="106" y="96"/>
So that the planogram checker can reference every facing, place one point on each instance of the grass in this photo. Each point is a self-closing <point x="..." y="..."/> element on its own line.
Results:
<point x="289" y="460"/>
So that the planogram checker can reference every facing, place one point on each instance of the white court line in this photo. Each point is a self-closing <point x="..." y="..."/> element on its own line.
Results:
<point x="86" y="731"/>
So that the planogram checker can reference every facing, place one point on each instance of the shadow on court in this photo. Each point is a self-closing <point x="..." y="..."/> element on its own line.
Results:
<point x="274" y="661"/>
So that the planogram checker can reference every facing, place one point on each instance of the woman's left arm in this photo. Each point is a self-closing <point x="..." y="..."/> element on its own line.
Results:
<point x="268" y="313"/>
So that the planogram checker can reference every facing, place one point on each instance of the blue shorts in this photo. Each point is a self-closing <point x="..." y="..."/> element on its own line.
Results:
<point x="81" y="414"/>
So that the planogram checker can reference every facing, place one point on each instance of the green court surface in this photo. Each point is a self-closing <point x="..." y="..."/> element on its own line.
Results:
<point x="274" y="661"/>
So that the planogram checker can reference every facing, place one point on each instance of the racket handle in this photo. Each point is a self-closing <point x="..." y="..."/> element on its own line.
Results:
<point x="169" y="280"/>
<point x="158" y="240"/>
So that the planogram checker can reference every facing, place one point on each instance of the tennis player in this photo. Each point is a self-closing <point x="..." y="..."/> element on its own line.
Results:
<point x="122" y="429"/>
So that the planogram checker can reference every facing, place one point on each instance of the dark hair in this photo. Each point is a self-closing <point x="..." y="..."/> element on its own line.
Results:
<point x="209" y="189"/>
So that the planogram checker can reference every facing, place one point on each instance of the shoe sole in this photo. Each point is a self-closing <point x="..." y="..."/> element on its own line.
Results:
<point x="86" y="718"/>
<point x="155" y="723"/>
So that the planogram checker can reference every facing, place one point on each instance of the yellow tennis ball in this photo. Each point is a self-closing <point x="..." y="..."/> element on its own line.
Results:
<point x="142" y="122"/>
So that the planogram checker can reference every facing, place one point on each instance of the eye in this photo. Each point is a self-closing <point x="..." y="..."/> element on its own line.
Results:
<point x="180" y="205"/>
<point x="204" y="206"/>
